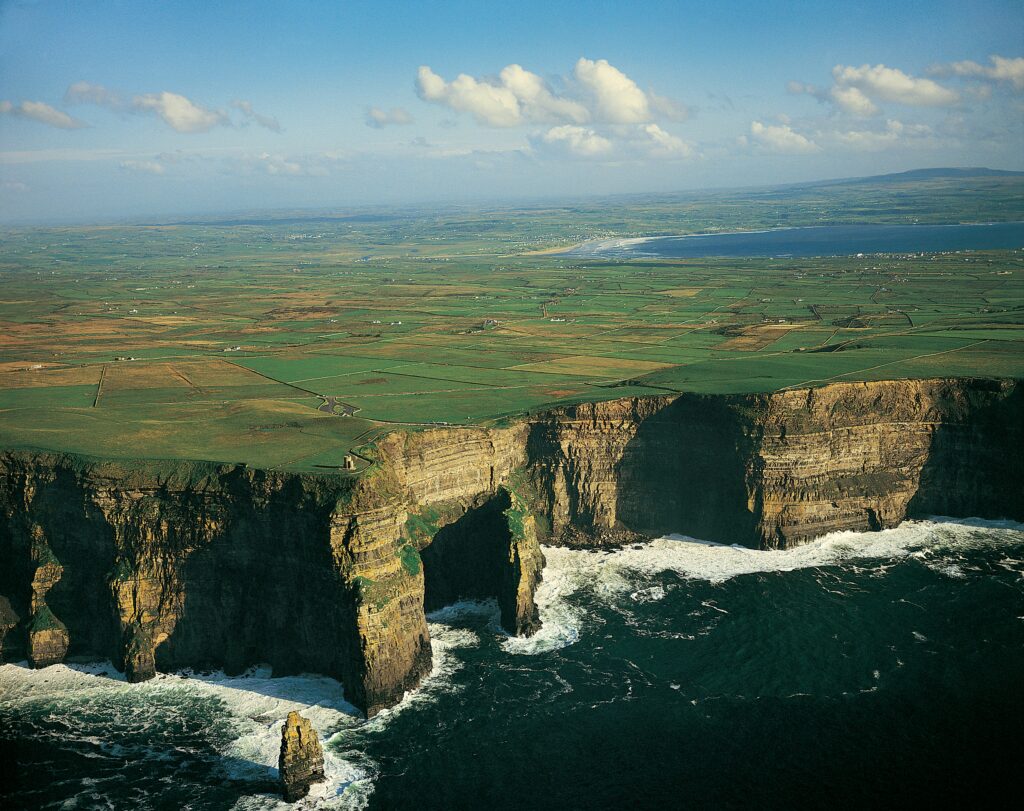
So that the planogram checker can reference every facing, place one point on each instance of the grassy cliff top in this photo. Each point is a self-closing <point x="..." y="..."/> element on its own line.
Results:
<point x="287" y="344"/>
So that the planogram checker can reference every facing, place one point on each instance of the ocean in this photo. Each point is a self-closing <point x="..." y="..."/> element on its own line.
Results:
<point x="861" y="670"/>
<point x="824" y="240"/>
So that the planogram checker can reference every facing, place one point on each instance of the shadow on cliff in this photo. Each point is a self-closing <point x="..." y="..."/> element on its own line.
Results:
<point x="264" y="589"/>
<point x="973" y="463"/>
<point x="463" y="559"/>
<point x="685" y="472"/>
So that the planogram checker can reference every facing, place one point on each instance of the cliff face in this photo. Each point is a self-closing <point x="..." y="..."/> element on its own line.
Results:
<point x="166" y="566"/>
<point x="777" y="469"/>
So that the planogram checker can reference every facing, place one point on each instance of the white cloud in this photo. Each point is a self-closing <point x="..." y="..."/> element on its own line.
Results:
<point x="890" y="84"/>
<point x="265" y="121"/>
<point x="43" y="113"/>
<point x="669" y="108"/>
<point x="15" y="186"/>
<point x="782" y="138"/>
<point x="1002" y="69"/>
<point x="86" y="93"/>
<point x="597" y="92"/>
<point x="657" y="143"/>
<point x="288" y="166"/>
<point x="617" y="99"/>
<point x="144" y="167"/>
<point x="379" y="118"/>
<point x="490" y="104"/>
<point x="180" y="113"/>
<point x="857" y="91"/>
<point x="578" y="141"/>
<point x="896" y="133"/>
<point x="852" y="100"/>
<point x="537" y="100"/>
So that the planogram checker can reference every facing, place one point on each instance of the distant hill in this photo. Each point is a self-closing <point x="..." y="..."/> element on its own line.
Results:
<point x="921" y="174"/>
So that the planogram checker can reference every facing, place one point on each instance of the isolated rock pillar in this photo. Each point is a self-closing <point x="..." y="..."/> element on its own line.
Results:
<point x="302" y="760"/>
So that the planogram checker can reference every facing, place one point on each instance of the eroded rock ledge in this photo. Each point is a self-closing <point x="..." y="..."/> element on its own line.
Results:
<point x="161" y="566"/>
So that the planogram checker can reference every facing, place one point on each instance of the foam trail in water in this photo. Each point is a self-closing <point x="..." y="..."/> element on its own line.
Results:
<point x="447" y="634"/>
<point x="242" y="717"/>
<point x="613" y="572"/>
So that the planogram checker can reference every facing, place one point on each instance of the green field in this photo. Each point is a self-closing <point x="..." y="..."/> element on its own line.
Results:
<point x="236" y="330"/>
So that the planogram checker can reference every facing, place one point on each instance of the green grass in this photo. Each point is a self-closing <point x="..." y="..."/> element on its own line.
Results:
<point x="410" y="560"/>
<point x="302" y="312"/>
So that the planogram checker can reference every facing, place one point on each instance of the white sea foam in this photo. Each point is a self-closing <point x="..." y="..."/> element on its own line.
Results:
<point x="447" y="633"/>
<point x="95" y="698"/>
<point x="937" y="542"/>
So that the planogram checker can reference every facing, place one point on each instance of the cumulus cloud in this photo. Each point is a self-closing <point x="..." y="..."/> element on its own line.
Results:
<point x="891" y="84"/>
<point x="782" y="138"/>
<point x="895" y="133"/>
<point x="655" y="142"/>
<point x="288" y="166"/>
<point x="620" y="142"/>
<point x="379" y="118"/>
<point x="536" y="99"/>
<point x="581" y="142"/>
<point x="144" y="167"/>
<point x="180" y="113"/>
<point x="87" y="93"/>
<point x="597" y="92"/>
<point x="265" y="121"/>
<point x="41" y="112"/>
<point x="857" y="91"/>
<point x="616" y="97"/>
<point x="492" y="105"/>
<point x="1001" y="69"/>
<point x="854" y="101"/>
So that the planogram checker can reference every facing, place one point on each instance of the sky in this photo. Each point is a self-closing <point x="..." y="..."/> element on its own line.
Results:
<point x="138" y="109"/>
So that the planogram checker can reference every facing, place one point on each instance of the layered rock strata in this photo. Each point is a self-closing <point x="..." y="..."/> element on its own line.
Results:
<point x="301" y="762"/>
<point x="772" y="470"/>
<point x="161" y="566"/>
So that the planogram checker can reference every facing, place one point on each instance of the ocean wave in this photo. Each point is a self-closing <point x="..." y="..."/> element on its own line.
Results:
<point x="937" y="542"/>
<point x="448" y="633"/>
<point x="93" y="707"/>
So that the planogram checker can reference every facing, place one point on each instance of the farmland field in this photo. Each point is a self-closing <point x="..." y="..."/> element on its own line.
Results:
<point x="221" y="341"/>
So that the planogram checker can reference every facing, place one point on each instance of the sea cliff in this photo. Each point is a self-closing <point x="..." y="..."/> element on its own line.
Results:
<point x="162" y="565"/>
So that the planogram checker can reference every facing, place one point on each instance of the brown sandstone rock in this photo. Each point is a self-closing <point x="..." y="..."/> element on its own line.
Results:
<point x="206" y="558"/>
<point x="301" y="762"/>
<point x="47" y="639"/>
<point x="9" y="620"/>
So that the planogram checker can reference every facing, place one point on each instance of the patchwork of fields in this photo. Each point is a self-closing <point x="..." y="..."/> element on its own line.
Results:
<point x="223" y="342"/>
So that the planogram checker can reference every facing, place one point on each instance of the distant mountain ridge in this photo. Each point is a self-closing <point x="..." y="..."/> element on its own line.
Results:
<point x="920" y="174"/>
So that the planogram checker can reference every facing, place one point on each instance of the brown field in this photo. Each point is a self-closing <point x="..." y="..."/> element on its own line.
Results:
<point x="126" y="375"/>
<point x="755" y="338"/>
<point x="52" y="376"/>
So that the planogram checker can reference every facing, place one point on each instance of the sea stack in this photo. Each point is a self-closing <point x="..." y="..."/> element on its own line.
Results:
<point x="302" y="760"/>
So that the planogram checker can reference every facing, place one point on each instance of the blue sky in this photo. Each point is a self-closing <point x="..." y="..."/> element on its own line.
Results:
<point x="135" y="108"/>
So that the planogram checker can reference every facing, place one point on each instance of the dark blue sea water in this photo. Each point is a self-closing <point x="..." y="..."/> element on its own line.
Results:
<point x="825" y="240"/>
<point x="863" y="670"/>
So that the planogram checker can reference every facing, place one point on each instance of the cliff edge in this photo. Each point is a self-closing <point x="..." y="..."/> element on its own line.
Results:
<point x="165" y="565"/>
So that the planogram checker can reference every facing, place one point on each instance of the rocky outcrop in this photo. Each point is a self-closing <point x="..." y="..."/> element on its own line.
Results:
<point x="301" y="763"/>
<point x="490" y="551"/>
<point x="9" y="620"/>
<point x="161" y="566"/>
<point x="777" y="469"/>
